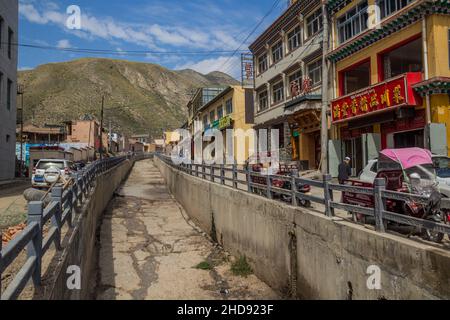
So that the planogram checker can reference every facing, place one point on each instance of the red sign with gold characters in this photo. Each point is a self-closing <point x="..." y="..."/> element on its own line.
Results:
<point x="393" y="93"/>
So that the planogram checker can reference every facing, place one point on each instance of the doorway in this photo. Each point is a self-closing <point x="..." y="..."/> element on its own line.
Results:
<point x="353" y="148"/>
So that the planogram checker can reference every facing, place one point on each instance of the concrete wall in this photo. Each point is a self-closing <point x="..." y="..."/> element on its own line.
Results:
<point x="81" y="250"/>
<point x="8" y="69"/>
<point x="329" y="257"/>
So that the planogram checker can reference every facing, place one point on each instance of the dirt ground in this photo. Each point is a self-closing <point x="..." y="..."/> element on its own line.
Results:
<point x="149" y="249"/>
<point x="13" y="206"/>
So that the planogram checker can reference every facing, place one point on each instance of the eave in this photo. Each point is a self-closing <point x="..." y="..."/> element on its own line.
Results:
<point x="436" y="85"/>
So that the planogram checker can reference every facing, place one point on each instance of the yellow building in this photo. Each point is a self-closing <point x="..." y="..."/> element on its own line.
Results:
<point x="230" y="109"/>
<point x="391" y="69"/>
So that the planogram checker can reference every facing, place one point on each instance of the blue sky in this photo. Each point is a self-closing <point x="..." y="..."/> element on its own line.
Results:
<point x="144" y="25"/>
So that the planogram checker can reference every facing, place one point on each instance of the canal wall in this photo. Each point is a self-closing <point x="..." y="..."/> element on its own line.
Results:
<point x="304" y="254"/>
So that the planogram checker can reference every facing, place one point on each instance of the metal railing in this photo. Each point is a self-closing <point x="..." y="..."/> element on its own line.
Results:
<point x="65" y="201"/>
<point x="380" y="195"/>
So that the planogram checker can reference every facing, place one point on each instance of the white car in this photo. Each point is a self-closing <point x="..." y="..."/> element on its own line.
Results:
<point x="49" y="171"/>
<point x="441" y="163"/>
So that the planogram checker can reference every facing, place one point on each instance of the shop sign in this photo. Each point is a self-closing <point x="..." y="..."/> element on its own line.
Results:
<point x="390" y="94"/>
<point x="225" y="122"/>
<point x="296" y="134"/>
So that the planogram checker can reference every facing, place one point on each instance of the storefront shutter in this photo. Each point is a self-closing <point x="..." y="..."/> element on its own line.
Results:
<point x="438" y="138"/>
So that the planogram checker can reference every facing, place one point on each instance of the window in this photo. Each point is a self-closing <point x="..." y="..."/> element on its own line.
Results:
<point x="314" y="22"/>
<point x="10" y="40"/>
<point x="1" y="32"/>
<point x="205" y="121"/>
<point x="295" y="82"/>
<point x="388" y="7"/>
<point x="263" y="101"/>
<point x="315" y="72"/>
<point x="353" y="22"/>
<point x="262" y="63"/>
<point x="229" y="106"/>
<point x="294" y="39"/>
<point x="9" y="93"/>
<point x="278" y="95"/>
<point x="356" y="78"/>
<point x="220" y="113"/>
<point x="277" y="52"/>
<point x="407" y="58"/>
<point x="212" y="116"/>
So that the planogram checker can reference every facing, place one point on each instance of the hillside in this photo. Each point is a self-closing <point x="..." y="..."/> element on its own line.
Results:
<point x="139" y="97"/>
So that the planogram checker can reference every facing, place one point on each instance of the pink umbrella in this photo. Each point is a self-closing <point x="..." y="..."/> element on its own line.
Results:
<point x="409" y="157"/>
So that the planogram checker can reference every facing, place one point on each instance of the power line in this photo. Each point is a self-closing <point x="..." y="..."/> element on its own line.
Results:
<point x="276" y="3"/>
<point x="122" y="52"/>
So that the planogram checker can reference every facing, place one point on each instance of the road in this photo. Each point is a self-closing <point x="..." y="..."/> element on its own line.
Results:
<point x="149" y="249"/>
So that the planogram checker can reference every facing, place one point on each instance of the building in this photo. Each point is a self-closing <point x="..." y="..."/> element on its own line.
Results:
<point x="288" y="81"/>
<point x="42" y="135"/>
<point x="201" y="97"/>
<point x="391" y="76"/>
<point x="85" y="131"/>
<point x="230" y="109"/>
<point x="9" y="17"/>
<point x="143" y="138"/>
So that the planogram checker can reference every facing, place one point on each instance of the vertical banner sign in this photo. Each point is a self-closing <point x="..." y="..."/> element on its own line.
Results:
<point x="247" y="70"/>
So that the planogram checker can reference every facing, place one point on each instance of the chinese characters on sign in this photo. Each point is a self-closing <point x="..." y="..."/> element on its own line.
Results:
<point x="298" y="89"/>
<point x="389" y="94"/>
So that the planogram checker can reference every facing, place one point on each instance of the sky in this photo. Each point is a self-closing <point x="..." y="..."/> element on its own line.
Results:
<point x="178" y="34"/>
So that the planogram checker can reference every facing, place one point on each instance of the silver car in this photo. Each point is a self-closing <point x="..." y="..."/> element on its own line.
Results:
<point x="49" y="171"/>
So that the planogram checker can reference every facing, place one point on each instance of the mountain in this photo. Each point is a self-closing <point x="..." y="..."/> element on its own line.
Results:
<point x="139" y="97"/>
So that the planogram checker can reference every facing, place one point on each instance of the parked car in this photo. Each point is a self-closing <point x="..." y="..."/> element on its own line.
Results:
<point x="49" y="171"/>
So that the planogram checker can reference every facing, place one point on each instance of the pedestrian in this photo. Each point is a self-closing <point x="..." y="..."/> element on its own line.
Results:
<point x="344" y="171"/>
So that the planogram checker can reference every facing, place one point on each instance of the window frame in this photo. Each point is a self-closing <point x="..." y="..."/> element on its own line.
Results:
<point x="229" y="103"/>
<point x="275" y="89"/>
<point x="296" y="35"/>
<point x="265" y="62"/>
<point x="290" y="79"/>
<point x="279" y="49"/>
<point x="9" y="93"/>
<point x="266" y="97"/>
<point x="308" y="71"/>
<point x="212" y="116"/>
<point x="10" y="41"/>
<point x="387" y="3"/>
<point x="218" y="113"/>
<point x="317" y="16"/>
<point x="360" y="14"/>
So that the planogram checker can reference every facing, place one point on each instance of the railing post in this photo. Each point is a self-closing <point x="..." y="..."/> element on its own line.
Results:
<point x="211" y="172"/>
<point x="235" y="176"/>
<point x="328" y="196"/>
<point x="269" y="187"/>
<point x="34" y="249"/>
<point x="222" y="174"/>
<point x="204" y="171"/>
<point x="249" y="180"/>
<point x="196" y="170"/>
<point x="380" y="186"/>
<point x="57" y="192"/>
<point x="294" y="189"/>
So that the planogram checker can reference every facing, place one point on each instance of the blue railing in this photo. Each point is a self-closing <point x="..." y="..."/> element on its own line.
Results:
<point x="65" y="200"/>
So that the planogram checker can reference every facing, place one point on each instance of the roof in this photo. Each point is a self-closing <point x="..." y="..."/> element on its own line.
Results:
<point x="216" y="98"/>
<point x="42" y="130"/>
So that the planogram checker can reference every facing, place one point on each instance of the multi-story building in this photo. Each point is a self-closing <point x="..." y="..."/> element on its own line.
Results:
<point x="391" y="71"/>
<point x="85" y="131"/>
<point x="9" y="16"/>
<point x="288" y="81"/>
<point x="201" y="97"/>
<point x="230" y="109"/>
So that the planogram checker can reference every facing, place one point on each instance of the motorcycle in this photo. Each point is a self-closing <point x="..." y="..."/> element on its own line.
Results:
<point x="301" y="188"/>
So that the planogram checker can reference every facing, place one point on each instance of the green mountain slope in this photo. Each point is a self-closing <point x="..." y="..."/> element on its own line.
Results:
<point x="139" y="97"/>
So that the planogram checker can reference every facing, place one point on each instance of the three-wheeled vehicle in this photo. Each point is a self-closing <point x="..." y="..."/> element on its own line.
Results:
<point x="261" y="165"/>
<point x="408" y="171"/>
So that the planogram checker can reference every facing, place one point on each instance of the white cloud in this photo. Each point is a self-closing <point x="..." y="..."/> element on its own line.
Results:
<point x="25" y="68"/>
<point x="223" y="64"/>
<point x="152" y="36"/>
<point x="64" y="44"/>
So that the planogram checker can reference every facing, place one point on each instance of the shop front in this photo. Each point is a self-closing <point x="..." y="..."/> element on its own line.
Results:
<point x="386" y="115"/>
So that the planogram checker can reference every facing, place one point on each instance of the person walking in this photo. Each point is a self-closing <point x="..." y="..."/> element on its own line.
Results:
<point x="344" y="171"/>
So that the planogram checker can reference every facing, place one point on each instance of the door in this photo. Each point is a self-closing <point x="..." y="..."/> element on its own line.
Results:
<point x="357" y="161"/>
<point x="371" y="146"/>
<point x="334" y="156"/>
<point x="438" y="138"/>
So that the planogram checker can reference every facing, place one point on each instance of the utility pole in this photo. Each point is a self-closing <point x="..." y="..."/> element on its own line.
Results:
<point x="324" y="113"/>
<point x="21" y="92"/>
<point x="110" y="136"/>
<point x="101" y="128"/>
